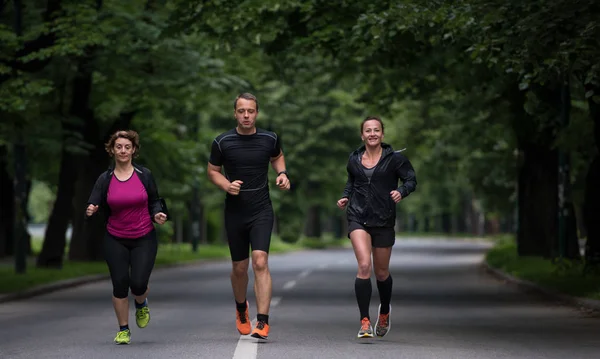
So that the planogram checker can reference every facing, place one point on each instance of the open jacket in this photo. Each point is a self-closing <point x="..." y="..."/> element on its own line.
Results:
<point x="100" y="192"/>
<point x="370" y="202"/>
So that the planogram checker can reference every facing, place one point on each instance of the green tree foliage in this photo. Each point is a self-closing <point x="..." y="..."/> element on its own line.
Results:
<point x="472" y="89"/>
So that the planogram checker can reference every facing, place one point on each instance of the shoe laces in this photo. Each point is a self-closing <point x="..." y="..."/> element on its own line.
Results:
<point x="365" y="324"/>
<point x="140" y="313"/>
<point x="383" y="320"/>
<point x="243" y="318"/>
<point x="260" y="325"/>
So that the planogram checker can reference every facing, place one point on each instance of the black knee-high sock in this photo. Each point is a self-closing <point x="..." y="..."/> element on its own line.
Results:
<point x="385" y="294"/>
<point x="363" y="289"/>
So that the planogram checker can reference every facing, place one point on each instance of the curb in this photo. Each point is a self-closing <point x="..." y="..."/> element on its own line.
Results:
<point x="580" y="303"/>
<point x="79" y="281"/>
<point x="52" y="287"/>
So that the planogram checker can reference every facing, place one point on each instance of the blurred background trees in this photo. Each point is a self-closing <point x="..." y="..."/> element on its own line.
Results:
<point x="496" y="103"/>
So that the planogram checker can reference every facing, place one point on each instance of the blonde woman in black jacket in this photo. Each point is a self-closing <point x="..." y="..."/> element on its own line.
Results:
<point x="370" y="196"/>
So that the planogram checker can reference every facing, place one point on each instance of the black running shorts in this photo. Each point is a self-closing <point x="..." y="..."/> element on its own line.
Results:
<point x="244" y="231"/>
<point x="381" y="237"/>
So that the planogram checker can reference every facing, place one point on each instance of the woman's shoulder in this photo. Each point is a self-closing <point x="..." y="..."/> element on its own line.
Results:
<point x="141" y="169"/>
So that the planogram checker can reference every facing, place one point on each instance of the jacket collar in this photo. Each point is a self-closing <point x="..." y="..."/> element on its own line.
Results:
<point x="386" y="150"/>
<point x="111" y="168"/>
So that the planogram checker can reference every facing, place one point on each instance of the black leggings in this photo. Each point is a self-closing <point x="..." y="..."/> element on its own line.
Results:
<point x="121" y="254"/>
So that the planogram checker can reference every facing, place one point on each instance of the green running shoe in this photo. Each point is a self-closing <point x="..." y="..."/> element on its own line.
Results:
<point x="142" y="316"/>
<point x="123" y="337"/>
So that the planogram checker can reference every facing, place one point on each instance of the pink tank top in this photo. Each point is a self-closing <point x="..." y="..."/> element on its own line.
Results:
<point x="128" y="202"/>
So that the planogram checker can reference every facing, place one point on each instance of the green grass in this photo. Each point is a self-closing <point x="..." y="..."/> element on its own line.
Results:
<point x="542" y="271"/>
<point x="168" y="254"/>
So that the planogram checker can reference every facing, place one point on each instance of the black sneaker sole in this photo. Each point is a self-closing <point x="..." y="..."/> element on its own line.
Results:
<point x="258" y="336"/>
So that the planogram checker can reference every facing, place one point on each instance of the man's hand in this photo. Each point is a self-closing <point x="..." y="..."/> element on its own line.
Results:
<point x="234" y="187"/>
<point x="283" y="182"/>
<point x="160" y="218"/>
<point x="341" y="203"/>
<point x="396" y="196"/>
<point x="91" y="210"/>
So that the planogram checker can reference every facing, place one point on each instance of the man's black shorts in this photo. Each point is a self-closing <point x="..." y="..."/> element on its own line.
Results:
<point x="244" y="231"/>
<point x="381" y="237"/>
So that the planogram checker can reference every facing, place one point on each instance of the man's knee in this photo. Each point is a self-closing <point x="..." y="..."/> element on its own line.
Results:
<point x="240" y="268"/>
<point x="260" y="261"/>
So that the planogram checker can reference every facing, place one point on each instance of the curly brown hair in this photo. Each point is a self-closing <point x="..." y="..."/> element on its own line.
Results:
<point x="128" y="134"/>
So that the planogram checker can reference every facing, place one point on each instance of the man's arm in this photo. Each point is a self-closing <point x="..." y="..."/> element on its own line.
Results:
<point x="214" y="167"/>
<point x="216" y="177"/>
<point x="278" y="163"/>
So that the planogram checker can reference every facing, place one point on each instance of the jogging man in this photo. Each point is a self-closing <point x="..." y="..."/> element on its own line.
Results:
<point x="245" y="153"/>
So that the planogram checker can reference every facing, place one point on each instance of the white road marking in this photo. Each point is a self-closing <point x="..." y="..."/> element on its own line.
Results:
<point x="289" y="285"/>
<point x="247" y="347"/>
<point x="304" y="274"/>
<point x="323" y="266"/>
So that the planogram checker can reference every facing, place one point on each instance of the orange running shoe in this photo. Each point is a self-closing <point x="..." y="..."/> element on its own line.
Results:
<point x="242" y="321"/>
<point x="366" y="330"/>
<point x="383" y="325"/>
<point x="261" y="331"/>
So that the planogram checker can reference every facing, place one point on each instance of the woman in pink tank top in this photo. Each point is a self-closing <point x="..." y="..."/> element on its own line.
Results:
<point x="128" y="197"/>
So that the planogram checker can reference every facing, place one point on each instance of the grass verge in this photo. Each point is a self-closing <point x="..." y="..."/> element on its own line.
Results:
<point x="168" y="254"/>
<point x="564" y="279"/>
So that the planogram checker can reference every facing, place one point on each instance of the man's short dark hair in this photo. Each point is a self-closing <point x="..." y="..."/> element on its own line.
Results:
<point x="245" y="96"/>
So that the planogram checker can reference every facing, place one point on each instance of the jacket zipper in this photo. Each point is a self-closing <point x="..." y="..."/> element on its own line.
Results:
<point x="360" y="165"/>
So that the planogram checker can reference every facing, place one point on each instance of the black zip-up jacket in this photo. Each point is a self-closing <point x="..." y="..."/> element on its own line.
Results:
<point x="100" y="191"/>
<point x="370" y="202"/>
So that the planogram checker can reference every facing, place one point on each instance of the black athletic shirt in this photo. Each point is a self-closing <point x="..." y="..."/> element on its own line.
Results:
<point x="246" y="158"/>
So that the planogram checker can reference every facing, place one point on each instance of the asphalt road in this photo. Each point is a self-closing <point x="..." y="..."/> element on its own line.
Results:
<point x="443" y="307"/>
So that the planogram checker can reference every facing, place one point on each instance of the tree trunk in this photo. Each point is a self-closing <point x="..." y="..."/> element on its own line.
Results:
<point x="223" y="231"/>
<point x="538" y="203"/>
<point x="53" y="249"/>
<point x="25" y="224"/>
<point x="568" y="246"/>
<point x="336" y="226"/>
<point x="197" y="220"/>
<point x="7" y="205"/>
<point x="87" y="236"/>
<point x="20" y="204"/>
<point x="89" y="167"/>
<point x="426" y="224"/>
<point x="313" y="222"/>
<point x="591" y="206"/>
<point x="446" y="223"/>
<point x="413" y="223"/>
<point x="538" y="176"/>
<point x="276" y="224"/>
<point x="591" y="212"/>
